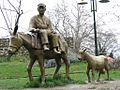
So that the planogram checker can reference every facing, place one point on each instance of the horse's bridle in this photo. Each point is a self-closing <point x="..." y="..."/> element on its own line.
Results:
<point x="14" y="47"/>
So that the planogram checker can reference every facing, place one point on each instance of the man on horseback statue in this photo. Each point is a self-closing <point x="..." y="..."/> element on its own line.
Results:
<point x="41" y="26"/>
<point x="42" y="32"/>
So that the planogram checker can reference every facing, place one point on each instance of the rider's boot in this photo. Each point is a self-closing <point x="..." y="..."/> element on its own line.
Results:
<point x="45" y="48"/>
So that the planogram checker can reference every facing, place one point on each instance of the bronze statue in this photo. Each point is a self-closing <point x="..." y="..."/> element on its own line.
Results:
<point x="18" y="40"/>
<point x="21" y="39"/>
<point x="41" y="26"/>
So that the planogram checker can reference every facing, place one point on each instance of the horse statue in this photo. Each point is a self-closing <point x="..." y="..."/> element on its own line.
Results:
<point x="18" y="40"/>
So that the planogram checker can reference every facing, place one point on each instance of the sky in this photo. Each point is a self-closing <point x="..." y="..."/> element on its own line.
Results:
<point x="29" y="9"/>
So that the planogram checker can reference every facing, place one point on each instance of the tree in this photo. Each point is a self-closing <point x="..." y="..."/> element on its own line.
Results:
<point x="108" y="42"/>
<point x="71" y="25"/>
<point x="61" y="18"/>
<point x="11" y="14"/>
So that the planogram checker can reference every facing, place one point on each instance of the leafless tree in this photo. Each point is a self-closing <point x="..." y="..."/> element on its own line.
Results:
<point x="70" y="24"/>
<point x="11" y="14"/>
<point x="61" y="18"/>
<point x="77" y="24"/>
<point x="108" y="42"/>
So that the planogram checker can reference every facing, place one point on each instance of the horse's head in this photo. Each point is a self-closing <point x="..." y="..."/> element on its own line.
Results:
<point x="15" y="43"/>
<point x="82" y="53"/>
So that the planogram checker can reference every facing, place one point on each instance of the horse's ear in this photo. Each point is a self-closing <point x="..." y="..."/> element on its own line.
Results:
<point x="15" y="30"/>
<point x="84" y="50"/>
<point x="16" y="22"/>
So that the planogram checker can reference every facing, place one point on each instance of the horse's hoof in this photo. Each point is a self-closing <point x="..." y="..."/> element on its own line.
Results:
<point x="69" y="78"/>
<point x="98" y="80"/>
<point x="93" y="82"/>
<point x="31" y="79"/>
<point x="108" y="79"/>
<point x="42" y="83"/>
<point x="89" y="81"/>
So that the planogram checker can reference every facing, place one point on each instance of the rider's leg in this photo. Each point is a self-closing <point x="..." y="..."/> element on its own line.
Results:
<point x="55" y="40"/>
<point x="44" y="39"/>
<point x="62" y="44"/>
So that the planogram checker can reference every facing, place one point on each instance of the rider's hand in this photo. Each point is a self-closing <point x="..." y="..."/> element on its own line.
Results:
<point x="37" y="30"/>
<point x="33" y="30"/>
<point x="54" y="32"/>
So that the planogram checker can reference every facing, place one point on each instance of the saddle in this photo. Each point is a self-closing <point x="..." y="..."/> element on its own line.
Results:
<point x="36" y="43"/>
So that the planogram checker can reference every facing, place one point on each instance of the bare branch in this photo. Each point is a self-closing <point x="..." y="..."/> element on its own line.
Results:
<point x="3" y="28"/>
<point x="8" y="9"/>
<point x="13" y="6"/>
<point x="4" y="18"/>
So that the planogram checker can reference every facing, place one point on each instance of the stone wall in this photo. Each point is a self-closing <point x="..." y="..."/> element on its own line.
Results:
<point x="3" y="46"/>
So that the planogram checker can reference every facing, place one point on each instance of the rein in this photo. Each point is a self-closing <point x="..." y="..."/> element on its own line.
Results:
<point x="14" y="47"/>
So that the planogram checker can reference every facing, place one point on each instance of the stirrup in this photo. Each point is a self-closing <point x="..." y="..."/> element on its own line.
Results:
<point x="45" y="48"/>
<point x="58" y="52"/>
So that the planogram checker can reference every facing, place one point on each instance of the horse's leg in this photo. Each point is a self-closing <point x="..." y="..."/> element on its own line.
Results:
<point x="29" y="68"/>
<point x="99" y="76"/>
<point x="93" y="74"/>
<point x="107" y="70"/>
<point x="42" y="69"/>
<point x="64" y="57"/>
<point x="58" y="62"/>
<point x="87" y="72"/>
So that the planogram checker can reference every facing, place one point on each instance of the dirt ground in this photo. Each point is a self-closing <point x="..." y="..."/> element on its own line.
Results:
<point x="102" y="85"/>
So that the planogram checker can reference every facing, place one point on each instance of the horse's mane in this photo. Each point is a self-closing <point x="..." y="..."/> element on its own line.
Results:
<point x="30" y="39"/>
<point x="88" y="55"/>
<point x="26" y="37"/>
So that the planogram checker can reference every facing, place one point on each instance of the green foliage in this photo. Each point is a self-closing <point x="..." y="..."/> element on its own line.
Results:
<point x="16" y="57"/>
<point x="19" y="57"/>
<point x="50" y="82"/>
<point x="13" y="84"/>
<point x="3" y="59"/>
<point x="35" y="83"/>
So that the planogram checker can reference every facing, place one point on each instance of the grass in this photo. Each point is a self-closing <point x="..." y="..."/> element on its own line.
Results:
<point x="12" y="75"/>
<point x="13" y="84"/>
